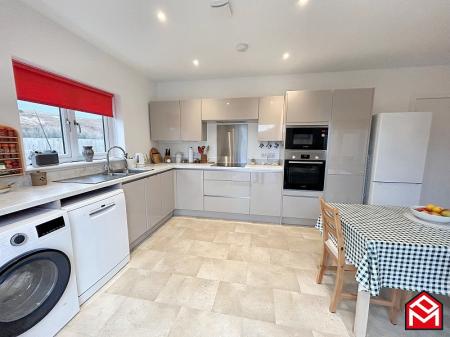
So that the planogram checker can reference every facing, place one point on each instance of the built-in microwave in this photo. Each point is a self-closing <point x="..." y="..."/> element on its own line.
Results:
<point x="306" y="137"/>
<point x="304" y="170"/>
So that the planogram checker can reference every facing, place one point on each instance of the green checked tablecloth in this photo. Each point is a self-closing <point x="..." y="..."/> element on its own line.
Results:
<point x="391" y="249"/>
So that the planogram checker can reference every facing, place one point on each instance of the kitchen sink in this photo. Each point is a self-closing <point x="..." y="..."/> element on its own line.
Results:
<point x="101" y="177"/>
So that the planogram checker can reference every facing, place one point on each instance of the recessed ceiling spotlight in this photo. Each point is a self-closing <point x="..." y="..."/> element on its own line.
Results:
<point x="286" y="56"/>
<point x="196" y="62"/>
<point x="161" y="16"/>
<point x="303" y="2"/>
<point x="242" y="47"/>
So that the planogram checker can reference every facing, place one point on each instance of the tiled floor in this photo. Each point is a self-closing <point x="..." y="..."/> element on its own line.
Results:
<point x="207" y="278"/>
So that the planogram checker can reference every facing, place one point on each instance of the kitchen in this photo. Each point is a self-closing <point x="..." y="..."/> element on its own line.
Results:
<point x="224" y="235"/>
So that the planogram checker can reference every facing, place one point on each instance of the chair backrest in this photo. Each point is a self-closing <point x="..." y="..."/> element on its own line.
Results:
<point x="332" y="226"/>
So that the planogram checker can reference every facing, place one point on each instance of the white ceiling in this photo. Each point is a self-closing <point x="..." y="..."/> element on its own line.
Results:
<point x="324" y="35"/>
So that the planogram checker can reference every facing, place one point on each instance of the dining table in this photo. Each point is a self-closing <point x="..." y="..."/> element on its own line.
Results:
<point x="391" y="248"/>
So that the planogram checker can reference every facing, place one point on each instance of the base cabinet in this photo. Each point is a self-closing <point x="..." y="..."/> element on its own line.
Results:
<point x="301" y="207"/>
<point x="266" y="193"/>
<point x="135" y="198"/>
<point x="148" y="201"/>
<point x="189" y="190"/>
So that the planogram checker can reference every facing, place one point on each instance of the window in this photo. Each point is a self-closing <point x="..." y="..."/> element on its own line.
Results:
<point x="66" y="131"/>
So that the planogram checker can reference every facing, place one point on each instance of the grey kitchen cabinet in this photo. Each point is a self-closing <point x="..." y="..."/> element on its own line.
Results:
<point x="266" y="189"/>
<point x="308" y="106"/>
<point x="165" y="120"/>
<point x="345" y="188"/>
<point x="301" y="207"/>
<point x="135" y="198"/>
<point x="348" y="144"/>
<point x="154" y="197"/>
<point x="160" y="197"/>
<point x="230" y="109"/>
<point x="192" y="128"/>
<point x="167" y="192"/>
<point x="227" y="205"/>
<point x="189" y="190"/>
<point x="270" y="120"/>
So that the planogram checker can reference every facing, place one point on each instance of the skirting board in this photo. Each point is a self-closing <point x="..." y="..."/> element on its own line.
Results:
<point x="228" y="216"/>
<point x="299" y="222"/>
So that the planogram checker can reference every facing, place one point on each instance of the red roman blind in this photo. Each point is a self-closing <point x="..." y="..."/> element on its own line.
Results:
<point x="39" y="86"/>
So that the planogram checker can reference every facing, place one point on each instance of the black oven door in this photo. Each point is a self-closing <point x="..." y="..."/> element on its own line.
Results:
<point x="304" y="175"/>
<point x="305" y="138"/>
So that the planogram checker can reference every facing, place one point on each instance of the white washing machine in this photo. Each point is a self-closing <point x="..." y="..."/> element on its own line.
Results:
<point x="38" y="290"/>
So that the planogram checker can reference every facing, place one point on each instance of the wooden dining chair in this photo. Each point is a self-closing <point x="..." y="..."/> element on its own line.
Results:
<point x="334" y="248"/>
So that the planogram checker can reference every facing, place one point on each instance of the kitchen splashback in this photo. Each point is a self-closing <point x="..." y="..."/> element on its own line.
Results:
<point x="260" y="151"/>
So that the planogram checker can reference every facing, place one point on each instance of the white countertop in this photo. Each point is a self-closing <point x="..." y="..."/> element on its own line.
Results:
<point x="21" y="198"/>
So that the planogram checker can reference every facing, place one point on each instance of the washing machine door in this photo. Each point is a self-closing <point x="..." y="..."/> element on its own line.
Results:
<point x="30" y="286"/>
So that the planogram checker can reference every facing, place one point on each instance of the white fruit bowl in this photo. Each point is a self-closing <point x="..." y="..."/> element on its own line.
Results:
<point x="429" y="217"/>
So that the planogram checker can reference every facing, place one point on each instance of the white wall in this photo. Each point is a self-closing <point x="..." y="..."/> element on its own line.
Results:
<point x="395" y="89"/>
<point x="28" y="36"/>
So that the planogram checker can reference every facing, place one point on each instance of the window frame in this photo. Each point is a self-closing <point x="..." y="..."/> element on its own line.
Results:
<point x="70" y="136"/>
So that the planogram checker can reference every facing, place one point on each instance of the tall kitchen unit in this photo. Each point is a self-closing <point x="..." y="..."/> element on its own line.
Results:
<point x="397" y="154"/>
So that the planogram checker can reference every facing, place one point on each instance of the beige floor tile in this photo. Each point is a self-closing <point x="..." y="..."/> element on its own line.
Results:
<point x="219" y="225"/>
<point x="209" y="249"/>
<point x="168" y="244"/>
<point x="245" y="301"/>
<point x="249" y="254"/>
<point x="95" y="313"/>
<point x="145" y="258"/>
<point x="223" y="270"/>
<point x="140" y="318"/>
<point x="195" y="323"/>
<point x="253" y="328"/>
<point x="139" y="283"/>
<point x="272" y="276"/>
<point x="189" y="291"/>
<point x="306" y="312"/>
<point x="291" y="259"/>
<point x="300" y="230"/>
<point x="179" y="264"/>
<point x="270" y="241"/>
<point x="252" y="228"/>
<point x="198" y="234"/>
<point x="308" y="285"/>
<point x="302" y="245"/>
<point x="234" y="238"/>
<point x="68" y="333"/>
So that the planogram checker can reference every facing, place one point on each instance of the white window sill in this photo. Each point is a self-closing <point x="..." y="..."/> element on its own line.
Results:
<point x="65" y="166"/>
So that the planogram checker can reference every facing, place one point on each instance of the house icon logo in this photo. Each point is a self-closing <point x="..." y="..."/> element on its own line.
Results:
<point x="424" y="312"/>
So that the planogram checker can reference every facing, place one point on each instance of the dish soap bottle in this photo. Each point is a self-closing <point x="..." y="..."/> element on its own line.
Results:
<point x="191" y="155"/>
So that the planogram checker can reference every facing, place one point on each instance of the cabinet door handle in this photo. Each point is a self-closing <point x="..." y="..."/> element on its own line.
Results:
<point x="305" y="162"/>
<point x="101" y="209"/>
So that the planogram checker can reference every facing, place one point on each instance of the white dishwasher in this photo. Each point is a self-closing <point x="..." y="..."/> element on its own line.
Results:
<point x="99" y="237"/>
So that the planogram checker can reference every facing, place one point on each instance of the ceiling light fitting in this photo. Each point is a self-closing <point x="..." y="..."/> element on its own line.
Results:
<point x="242" y="47"/>
<point x="196" y="62"/>
<point x="161" y="16"/>
<point x="286" y="56"/>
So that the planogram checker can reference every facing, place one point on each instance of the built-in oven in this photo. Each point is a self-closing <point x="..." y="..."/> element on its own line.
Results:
<point x="306" y="137"/>
<point x="304" y="170"/>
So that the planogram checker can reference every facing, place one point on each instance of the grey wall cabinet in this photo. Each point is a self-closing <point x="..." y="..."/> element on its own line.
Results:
<point x="165" y="120"/>
<point x="230" y="109"/>
<point x="192" y="128"/>
<point x="348" y="144"/>
<point x="135" y="198"/>
<point x="271" y="116"/>
<point x="306" y="106"/>
<point x="189" y="190"/>
<point x="265" y="193"/>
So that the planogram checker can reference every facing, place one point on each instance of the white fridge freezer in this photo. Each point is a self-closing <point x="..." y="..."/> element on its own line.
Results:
<point x="397" y="154"/>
